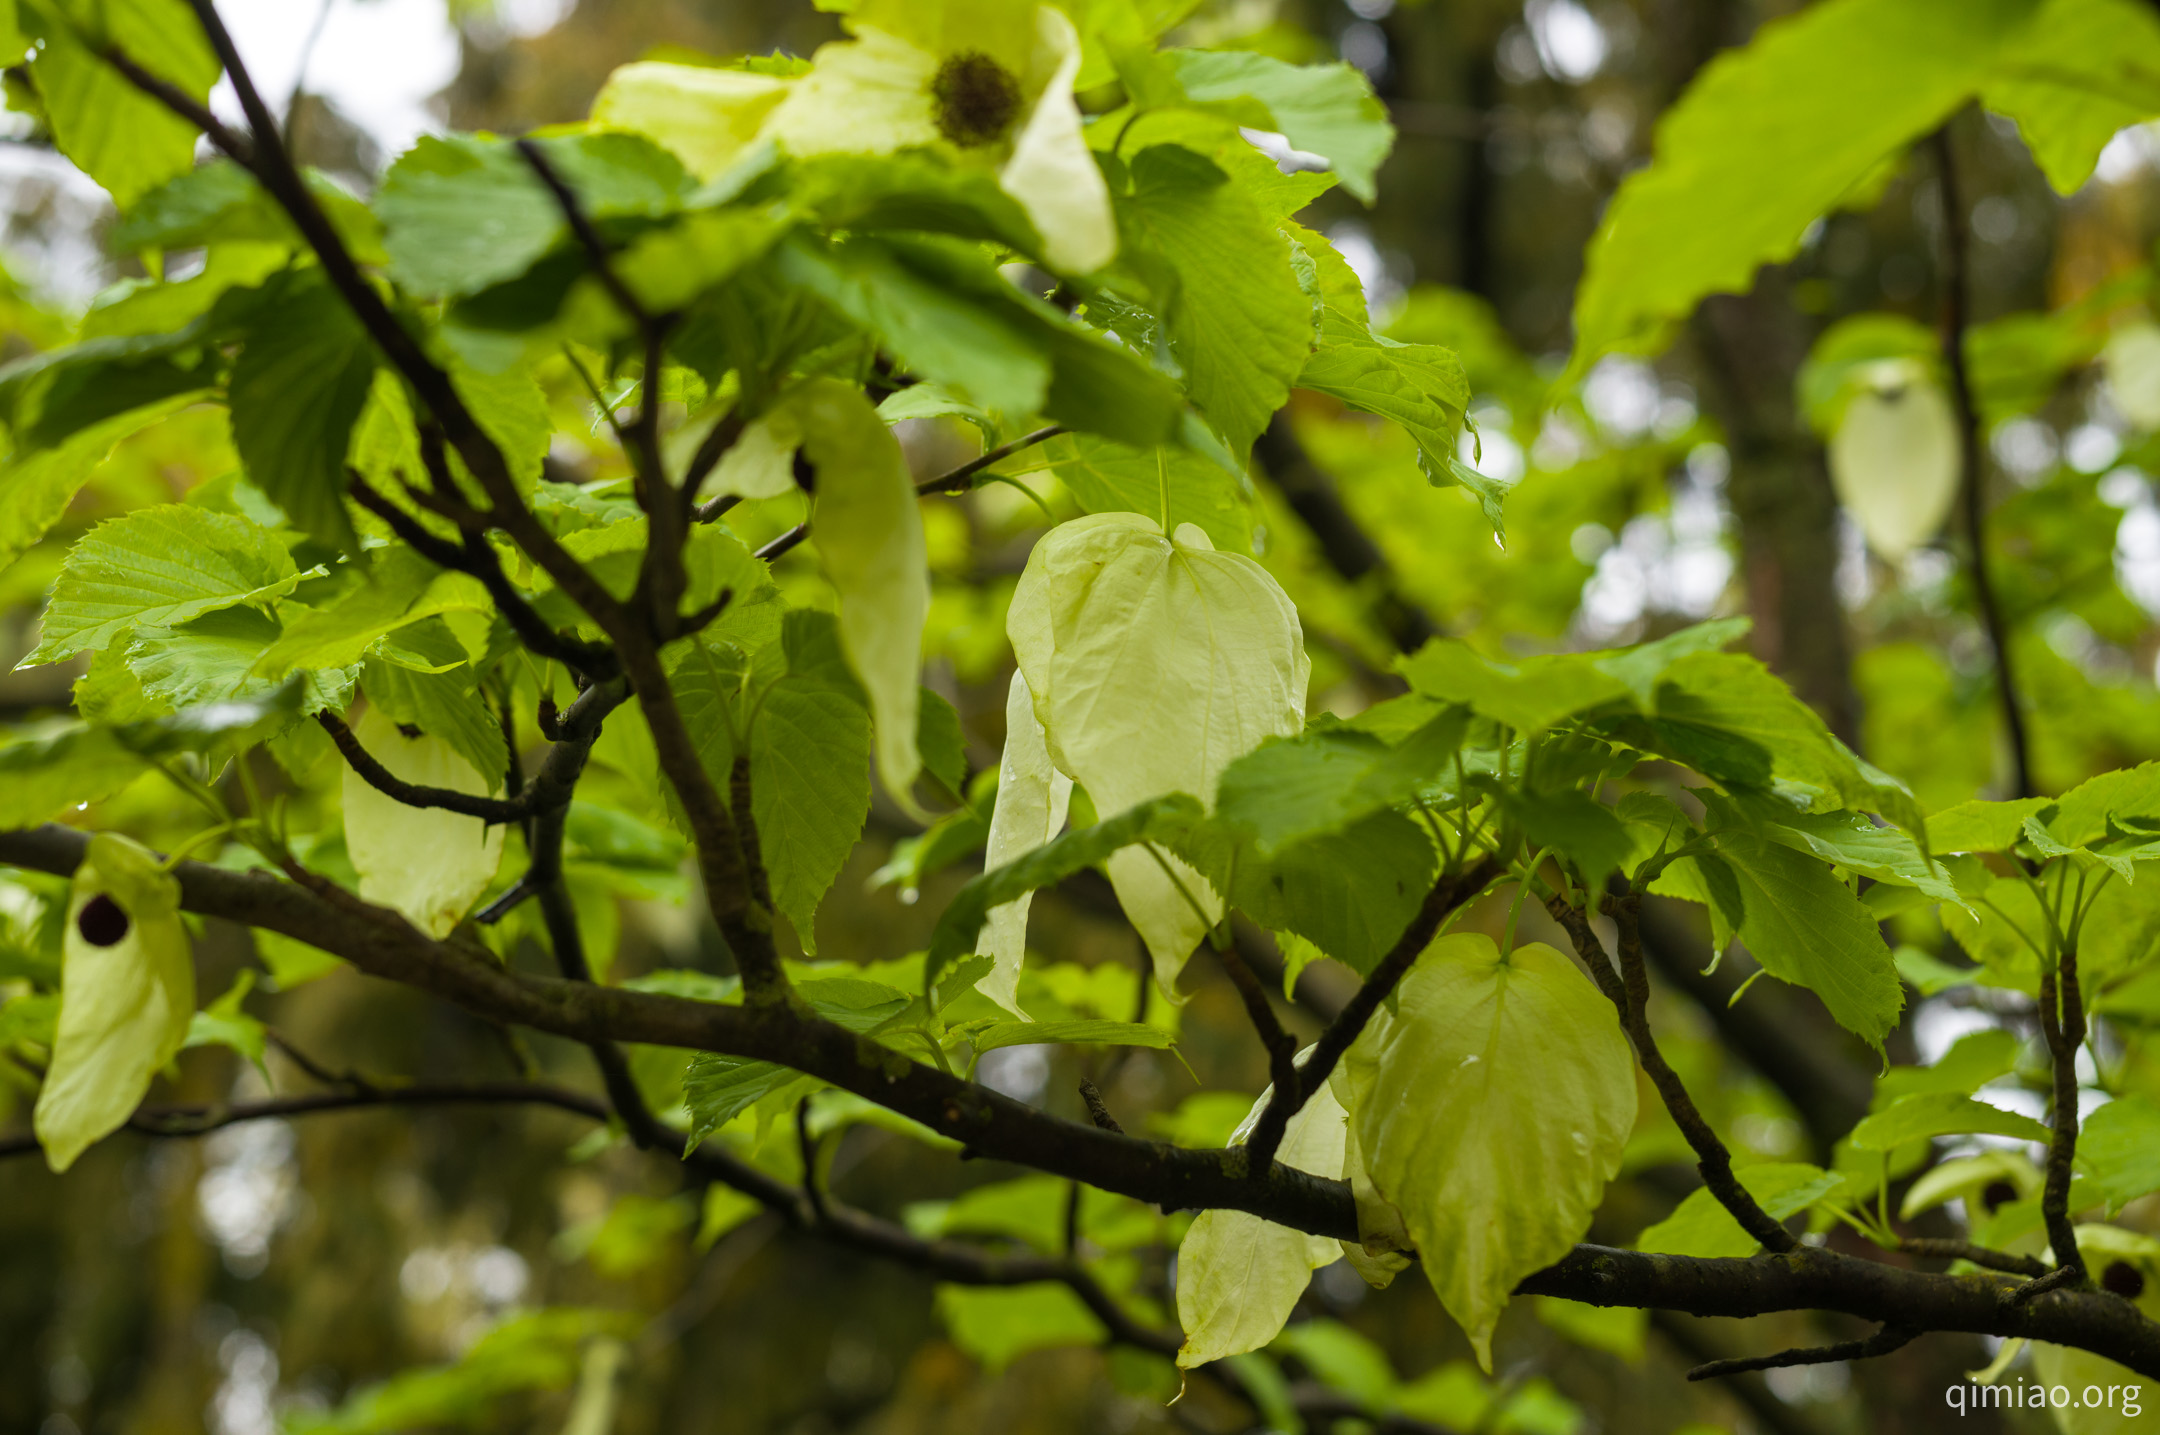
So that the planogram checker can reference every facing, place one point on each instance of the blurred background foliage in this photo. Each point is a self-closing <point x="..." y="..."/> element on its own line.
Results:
<point x="266" y="1274"/>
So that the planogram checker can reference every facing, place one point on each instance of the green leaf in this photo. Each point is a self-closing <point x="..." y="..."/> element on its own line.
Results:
<point x="997" y="1326"/>
<point x="2119" y="1147"/>
<point x="1088" y="1032"/>
<point x="42" y="776"/>
<point x="1701" y="1226"/>
<point x="1105" y="476"/>
<point x="1154" y="663"/>
<point x="1981" y="826"/>
<point x="1239" y="1277"/>
<point x="1489" y="1111"/>
<point x="944" y="336"/>
<point x="1768" y="138"/>
<point x="296" y="391"/>
<point x="1350" y="893"/>
<point x="1237" y="320"/>
<point x="127" y="994"/>
<point x="159" y="566"/>
<point x="1940" y="1113"/>
<point x="1976" y="1059"/>
<point x="397" y="588"/>
<point x="1158" y="819"/>
<point x="220" y="203"/>
<point x="1326" y="779"/>
<point x="940" y="740"/>
<point x="536" y="1351"/>
<point x="809" y="770"/>
<point x="1845" y="838"/>
<point x="36" y="488"/>
<point x="1031" y="802"/>
<point x="119" y="136"/>
<point x="717" y="1089"/>
<point x="1327" y="109"/>
<point x="223" y="1023"/>
<point x="2082" y="813"/>
<point x="1806" y="927"/>
<point x="1529" y="696"/>
<point x="446" y="705"/>
<point x="2084" y="70"/>
<point x="1576" y="828"/>
<point x="213" y="658"/>
<point x="461" y="212"/>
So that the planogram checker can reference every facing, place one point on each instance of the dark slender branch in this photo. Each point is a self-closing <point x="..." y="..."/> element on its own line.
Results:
<point x="1633" y="1000"/>
<point x="491" y="810"/>
<point x="186" y="1121"/>
<point x="1882" y="1342"/>
<point x="1955" y="319"/>
<point x="960" y="479"/>
<point x="2064" y="1030"/>
<point x="1281" y="1047"/>
<point x="2063" y="1275"/>
<point x="264" y="155"/>
<point x="785" y="543"/>
<point x="476" y="557"/>
<point x="588" y="237"/>
<point x="181" y="103"/>
<point x="721" y="437"/>
<point x="1943" y="1248"/>
<point x="383" y="944"/>
<point x="1446" y="895"/>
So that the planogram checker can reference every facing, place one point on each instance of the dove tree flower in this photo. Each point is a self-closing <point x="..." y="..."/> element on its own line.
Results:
<point x="987" y="83"/>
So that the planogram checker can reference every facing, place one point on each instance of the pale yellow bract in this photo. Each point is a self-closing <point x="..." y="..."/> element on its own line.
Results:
<point x="125" y="1005"/>
<point x="2128" y="1392"/>
<point x="1031" y="799"/>
<point x="878" y="92"/>
<point x="1154" y="663"/>
<point x="868" y="530"/>
<point x="1490" y="1110"/>
<point x="1238" y="1276"/>
<point x="1894" y="459"/>
<point x="429" y="864"/>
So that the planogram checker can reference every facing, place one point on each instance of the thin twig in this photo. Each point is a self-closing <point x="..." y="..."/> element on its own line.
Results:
<point x="1943" y="1248"/>
<point x="2056" y="1279"/>
<point x="1712" y="1159"/>
<point x="1097" y="1111"/>
<point x="1882" y="1342"/>
<point x="1955" y="318"/>
<point x="1280" y="1045"/>
<point x="2064" y="1031"/>
<point x="1446" y="895"/>
<point x="492" y="810"/>
<point x="960" y="479"/>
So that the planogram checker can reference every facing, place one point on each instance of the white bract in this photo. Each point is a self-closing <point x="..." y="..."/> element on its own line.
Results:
<point x="429" y="864"/>
<point x="1238" y="1276"/>
<point x="986" y="82"/>
<point x="869" y="536"/>
<point x="1489" y="1109"/>
<point x="1031" y="801"/>
<point x="1894" y="459"/>
<point x="2131" y="362"/>
<point x="707" y="116"/>
<point x="1154" y="663"/>
<point x="127" y="994"/>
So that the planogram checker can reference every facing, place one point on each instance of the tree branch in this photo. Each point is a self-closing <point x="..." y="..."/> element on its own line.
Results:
<point x="1446" y="895"/>
<point x="1955" y="318"/>
<point x="959" y="480"/>
<point x="1633" y="1000"/>
<point x="1882" y="1342"/>
<point x="1281" y="1047"/>
<point x="494" y="811"/>
<point x="383" y="944"/>
<point x="1952" y="1250"/>
<point x="2065" y="1032"/>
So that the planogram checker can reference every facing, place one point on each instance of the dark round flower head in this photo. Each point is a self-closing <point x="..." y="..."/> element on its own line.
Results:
<point x="976" y="99"/>
<point x="1997" y="1195"/>
<point x="2123" y="1279"/>
<point x="102" y="922"/>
